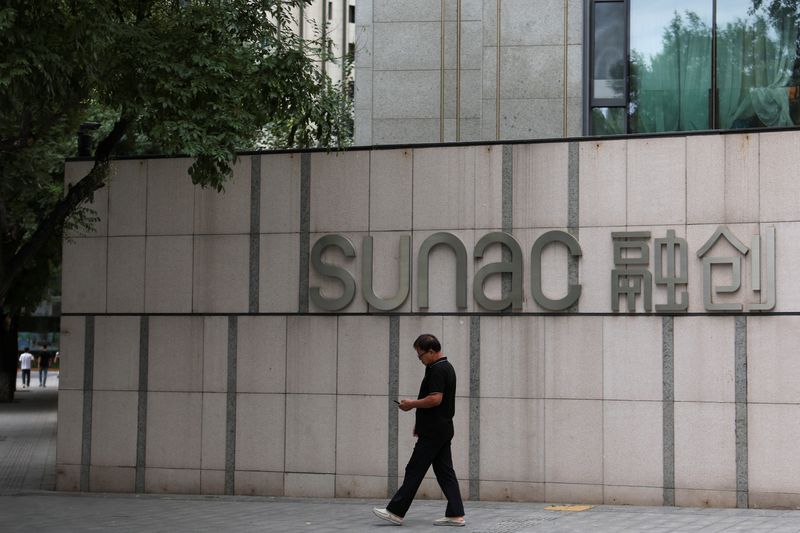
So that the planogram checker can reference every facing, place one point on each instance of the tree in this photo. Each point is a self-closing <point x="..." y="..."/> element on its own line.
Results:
<point x="780" y="13"/>
<point x="202" y="78"/>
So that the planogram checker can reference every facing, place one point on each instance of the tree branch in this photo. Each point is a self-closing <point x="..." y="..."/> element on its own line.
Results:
<point x="118" y="11"/>
<point x="3" y="221"/>
<point x="29" y="132"/>
<point x="25" y="137"/>
<point x="293" y="129"/>
<point x="53" y="222"/>
<point x="18" y="143"/>
<point x="3" y="238"/>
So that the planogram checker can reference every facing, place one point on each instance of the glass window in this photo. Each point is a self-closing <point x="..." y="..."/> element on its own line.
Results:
<point x="670" y="65"/>
<point x="757" y="64"/>
<point x="608" y="51"/>
<point x="679" y="65"/>
<point x="608" y="121"/>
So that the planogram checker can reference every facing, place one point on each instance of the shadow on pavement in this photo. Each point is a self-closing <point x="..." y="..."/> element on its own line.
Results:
<point x="28" y="437"/>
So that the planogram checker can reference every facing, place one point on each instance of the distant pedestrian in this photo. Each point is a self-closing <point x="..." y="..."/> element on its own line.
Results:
<point x="44" y="365"/>
<point x="435" y="407"/>
<point x="25" y="360"/>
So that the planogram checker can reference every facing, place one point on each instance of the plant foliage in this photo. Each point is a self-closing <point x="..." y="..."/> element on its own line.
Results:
<point x="202" y="78"/>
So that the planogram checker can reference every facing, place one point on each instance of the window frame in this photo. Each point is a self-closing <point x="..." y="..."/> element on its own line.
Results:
<point x="609" y="102"/>
<point x="590" y="102"/>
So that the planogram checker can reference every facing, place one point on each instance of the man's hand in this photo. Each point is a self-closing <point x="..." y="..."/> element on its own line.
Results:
<point x="431" y="400"/>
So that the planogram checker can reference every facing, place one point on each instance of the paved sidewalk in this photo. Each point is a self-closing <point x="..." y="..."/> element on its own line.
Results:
<point x="27" y="471"/>
<point x="42" y="512"/>
<point x="28" y="436"/>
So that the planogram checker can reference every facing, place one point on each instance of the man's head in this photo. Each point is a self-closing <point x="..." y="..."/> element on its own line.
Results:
<point x="428" y="348"/>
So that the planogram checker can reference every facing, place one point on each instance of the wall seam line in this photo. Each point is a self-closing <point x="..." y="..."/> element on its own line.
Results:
<point x="497" y="74"/>
<point x="566" y="66"/>
<point x="88" y="386"/>
<point x="393" y="392"/>
<point x="507" y="214"/>
<point x="255" y="231"/>
<point x="441" y="76"/>
<point x="668" y="408"/>
<point x="141" y="433"/>
<point x="742" y="473"/>
<point x="474" y="408"/>
<point x="305" y="230"/>
<point x="230" y="422"/>
<point x="458" y="71"/>
<point x="573" y="212"/>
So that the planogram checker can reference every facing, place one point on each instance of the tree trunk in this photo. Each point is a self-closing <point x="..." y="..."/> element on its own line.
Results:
<point x="8" y="356"/>
<point x="53" y="221"/>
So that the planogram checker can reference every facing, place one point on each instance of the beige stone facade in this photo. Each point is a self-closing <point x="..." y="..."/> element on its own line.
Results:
<point x="427" y="70"/>
<point x="195" y="359"/>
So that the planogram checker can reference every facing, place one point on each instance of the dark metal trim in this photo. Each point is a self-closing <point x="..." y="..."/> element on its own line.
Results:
<point x="551" y="140"/>
<point x="713" y="111"/>
<point x="462" y="313"/>
<point x="586" y="105"/>
<point x="608" y="102"/>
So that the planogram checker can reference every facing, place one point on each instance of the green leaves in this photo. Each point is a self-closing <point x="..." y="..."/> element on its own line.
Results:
<point x="202" y="78"/>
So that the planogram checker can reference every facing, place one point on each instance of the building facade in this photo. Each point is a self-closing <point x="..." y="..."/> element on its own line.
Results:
<point x="622" y="316"/>
<point x="334" y="19"/>
<point x="621" y="312"/>
<point x="427" y="71"/>
<point x="485" y="70"/>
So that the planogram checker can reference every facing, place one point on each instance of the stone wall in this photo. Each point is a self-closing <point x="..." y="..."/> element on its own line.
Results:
<point x="426" y="71"/>
<point x="195" y="359"/>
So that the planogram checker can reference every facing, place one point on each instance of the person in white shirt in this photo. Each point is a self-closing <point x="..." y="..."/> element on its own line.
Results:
<point x="25" y="364"/>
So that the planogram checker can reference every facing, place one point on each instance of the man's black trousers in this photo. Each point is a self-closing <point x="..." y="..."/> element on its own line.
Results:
<point x="427" y="452"/>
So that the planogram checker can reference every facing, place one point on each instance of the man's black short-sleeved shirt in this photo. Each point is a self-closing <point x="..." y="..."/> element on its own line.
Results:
<point x="437" y="422"/>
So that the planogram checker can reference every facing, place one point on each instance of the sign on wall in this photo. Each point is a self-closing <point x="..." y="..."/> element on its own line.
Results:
<point x="632" y="276"/>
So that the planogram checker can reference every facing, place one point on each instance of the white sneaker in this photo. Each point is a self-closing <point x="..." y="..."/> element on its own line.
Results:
<point x="389" y="517"/>
<point x="447" y="521"/>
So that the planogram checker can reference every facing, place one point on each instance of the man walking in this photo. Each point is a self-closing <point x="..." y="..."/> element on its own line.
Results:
<point x="25" y="365"/>
<point x="44" y="365"/>
<point x="435" y="407"/>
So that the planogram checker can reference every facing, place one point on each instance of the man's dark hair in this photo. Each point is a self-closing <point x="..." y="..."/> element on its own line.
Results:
<point x="426" y="342"/>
